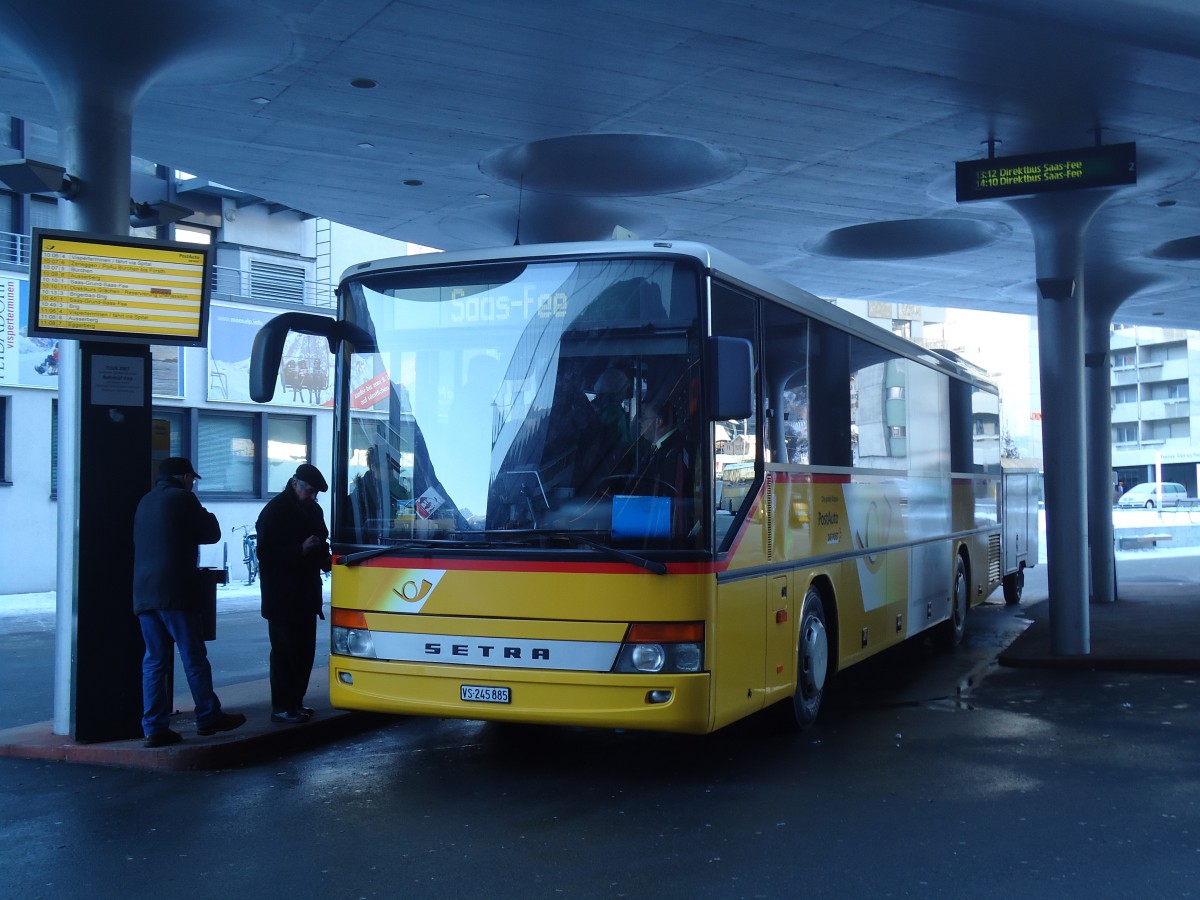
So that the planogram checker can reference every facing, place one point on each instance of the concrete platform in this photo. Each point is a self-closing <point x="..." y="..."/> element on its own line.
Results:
<point x="1153" y="627"/>
<point x="258" y="739"/>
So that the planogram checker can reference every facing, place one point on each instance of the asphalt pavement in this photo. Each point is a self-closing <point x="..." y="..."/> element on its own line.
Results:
<point x="1153" y="627"/>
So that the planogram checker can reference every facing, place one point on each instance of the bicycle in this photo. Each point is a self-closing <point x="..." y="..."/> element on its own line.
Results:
<point x="249" y="551"/>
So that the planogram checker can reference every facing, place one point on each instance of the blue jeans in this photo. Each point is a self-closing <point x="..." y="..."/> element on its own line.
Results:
<point x="162" y="630"/>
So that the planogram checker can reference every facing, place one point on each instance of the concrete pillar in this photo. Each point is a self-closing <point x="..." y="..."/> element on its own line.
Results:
<point x="1103" y="562"/>
<point x="1059" y="223"/>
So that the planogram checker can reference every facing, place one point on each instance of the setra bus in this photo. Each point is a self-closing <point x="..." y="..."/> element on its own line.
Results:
<point x="637" y="485"/>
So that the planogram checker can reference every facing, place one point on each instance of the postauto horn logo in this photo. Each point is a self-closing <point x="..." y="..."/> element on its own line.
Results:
<point x="412" y="589"/>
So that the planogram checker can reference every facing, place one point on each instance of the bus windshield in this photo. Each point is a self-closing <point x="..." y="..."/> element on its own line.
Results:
<point x="525" y="401"/>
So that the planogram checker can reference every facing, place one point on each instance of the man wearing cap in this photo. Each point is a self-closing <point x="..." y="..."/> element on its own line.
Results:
<point x="293" y="550"/>
<point x="168" y="529"/>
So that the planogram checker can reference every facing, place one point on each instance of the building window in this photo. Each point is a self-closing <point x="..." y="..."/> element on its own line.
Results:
<point x="10" y="241"/>
<point x="166" y="370"/>
<point x="40" y="142"/>
<point x="1124" y="359"/>
<point x="43" y="212"/>
<point x="54" y="449"/>
<point x="229" y="453"/>
<point x="4" y="441"/>
<point x="1125" y="394"/>
<point x="1125" y="434"/>
<point x="171" y="432"/>
<point x="289" y="442"/>
<point x="225" y="457"/>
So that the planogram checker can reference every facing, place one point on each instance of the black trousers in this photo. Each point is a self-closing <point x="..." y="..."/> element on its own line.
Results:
<point x="293" y="649"/>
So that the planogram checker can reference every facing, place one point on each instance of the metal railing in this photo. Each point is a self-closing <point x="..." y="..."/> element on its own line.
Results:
<point x="257" y="286"/>
<point x="14" y="249"/>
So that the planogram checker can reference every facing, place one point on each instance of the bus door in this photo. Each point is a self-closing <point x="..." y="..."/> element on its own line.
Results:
<point x="739" y="624"/>
<point x="781" y="651"/>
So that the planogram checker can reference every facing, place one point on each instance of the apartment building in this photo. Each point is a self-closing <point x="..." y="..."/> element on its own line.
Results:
<point x="1155" y="384"/>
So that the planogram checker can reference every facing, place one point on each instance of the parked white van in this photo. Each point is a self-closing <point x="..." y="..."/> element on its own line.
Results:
<point x="1146" y="495"/>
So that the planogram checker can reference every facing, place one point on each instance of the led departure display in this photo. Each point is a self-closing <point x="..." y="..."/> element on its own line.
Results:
<point x="1107" y="165"/>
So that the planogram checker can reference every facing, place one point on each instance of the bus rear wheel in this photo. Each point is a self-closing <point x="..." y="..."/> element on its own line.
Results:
<point x="1014" y="585"/>
<point x="812" y="665"/>
<point x="955" y="627"/>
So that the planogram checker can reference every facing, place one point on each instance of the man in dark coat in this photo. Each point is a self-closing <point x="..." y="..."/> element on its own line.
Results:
<point x="293" y="550"/>
<point x="168" y="529"/>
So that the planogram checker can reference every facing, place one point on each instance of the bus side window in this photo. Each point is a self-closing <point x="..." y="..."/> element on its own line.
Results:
<point x="785" y="380"/>
<point x="736" y="452"/>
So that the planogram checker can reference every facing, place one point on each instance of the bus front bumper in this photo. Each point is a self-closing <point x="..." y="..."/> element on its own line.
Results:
<point x="676" y="702"/>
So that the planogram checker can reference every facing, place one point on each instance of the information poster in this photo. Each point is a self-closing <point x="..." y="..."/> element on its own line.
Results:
<point x="306" y="370"/>
<point x="25" y="361"/>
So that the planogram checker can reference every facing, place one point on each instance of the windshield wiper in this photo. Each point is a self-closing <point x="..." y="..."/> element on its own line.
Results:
<point x="641" y="562"/>
<point x="508" y="537"/>
<point x="352" y="559"/>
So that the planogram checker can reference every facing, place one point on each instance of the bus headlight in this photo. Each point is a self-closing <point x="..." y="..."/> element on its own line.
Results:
<point x="654" y="648"/>
<point x="648" y="657"/>
<point x="349" y="634"/>
<point x="352" y="642"/>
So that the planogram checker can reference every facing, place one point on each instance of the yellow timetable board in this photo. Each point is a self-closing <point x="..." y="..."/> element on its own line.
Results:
<point x="100" y="287"/>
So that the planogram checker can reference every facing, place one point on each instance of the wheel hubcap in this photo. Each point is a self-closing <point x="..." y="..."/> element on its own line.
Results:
<point x="815" y="654"/>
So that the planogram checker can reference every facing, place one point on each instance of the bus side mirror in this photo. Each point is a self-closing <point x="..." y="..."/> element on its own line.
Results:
<point x="730" y="373"/>
<point x="267" y="352"/>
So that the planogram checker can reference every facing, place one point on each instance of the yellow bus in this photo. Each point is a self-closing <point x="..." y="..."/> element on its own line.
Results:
<point x="526" y="502"/>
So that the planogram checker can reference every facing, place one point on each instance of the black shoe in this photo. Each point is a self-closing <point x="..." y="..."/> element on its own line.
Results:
<point x="290" y="717"/>
<point x="223" y="722"/>
<point x="162" y="738"/>
<point x="308" y="711"/>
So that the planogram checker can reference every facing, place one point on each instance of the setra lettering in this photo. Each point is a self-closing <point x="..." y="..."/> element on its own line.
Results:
<point x="486" y="651"/>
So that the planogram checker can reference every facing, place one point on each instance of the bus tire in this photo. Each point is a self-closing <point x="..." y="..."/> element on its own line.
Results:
<point x="955" y="627"/>
<point x="1014" y="586"/>
<point x="812" y="665"/>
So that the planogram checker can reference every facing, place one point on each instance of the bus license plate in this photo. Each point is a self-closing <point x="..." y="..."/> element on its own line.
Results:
<point x="478" y="694"/>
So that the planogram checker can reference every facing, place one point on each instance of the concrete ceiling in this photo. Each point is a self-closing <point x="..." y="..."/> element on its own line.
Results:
<point x="816" y="139"/>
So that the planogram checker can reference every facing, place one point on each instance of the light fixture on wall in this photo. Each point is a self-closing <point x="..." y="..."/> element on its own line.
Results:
<point x="31" y="176"/>
<point x="160" y="212"/>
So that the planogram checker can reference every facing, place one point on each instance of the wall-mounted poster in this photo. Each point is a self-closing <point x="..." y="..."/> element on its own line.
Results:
<point x="25" y="361"/>
<point x="305" y="372"/>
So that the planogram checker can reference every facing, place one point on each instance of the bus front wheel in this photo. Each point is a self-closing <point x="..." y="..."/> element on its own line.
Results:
<point x="812" y="662"/>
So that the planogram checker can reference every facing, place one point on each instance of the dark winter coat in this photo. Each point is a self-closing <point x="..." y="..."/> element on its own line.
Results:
<point x="291" y="578"/>
<point x="168" y="528"/>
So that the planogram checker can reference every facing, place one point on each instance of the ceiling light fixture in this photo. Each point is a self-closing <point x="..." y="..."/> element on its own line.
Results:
<point x="364" y="83"/>
<point x="261" y="101"/>
<point x="413" y="182"/>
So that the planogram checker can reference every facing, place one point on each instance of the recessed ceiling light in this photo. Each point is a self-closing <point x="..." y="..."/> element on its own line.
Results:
<point x="261" y="101"/>
<point x="483" y="196"/>
<point x="1157" y="313"/>
<point x="365" y="83"/>
<point x="366" y="145"/>
<point x="413" y="182"/>
<point x="1166" y="203"/>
